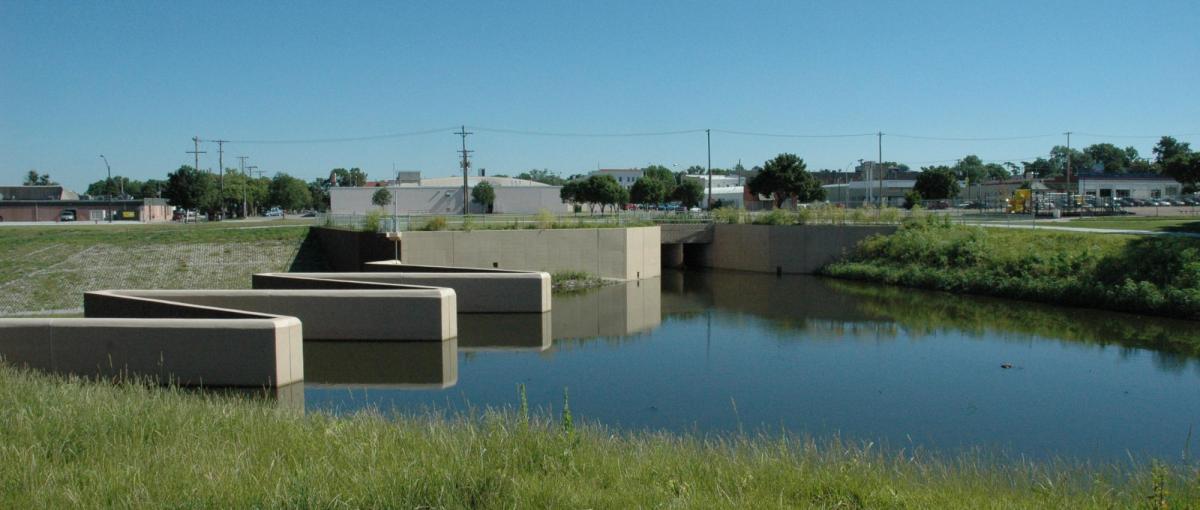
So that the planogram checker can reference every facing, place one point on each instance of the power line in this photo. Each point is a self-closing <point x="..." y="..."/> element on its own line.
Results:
<point x="782" y="135"/>
<point x="465" y="164"/>
<point x="586" y="135"/>
<point x="347" y="139"/>
<point x="972" y="139"/>
<point x="196" y="152"/>
<point x="1095" y="135"/>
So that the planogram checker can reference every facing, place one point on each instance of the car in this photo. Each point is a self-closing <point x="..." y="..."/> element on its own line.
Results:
<point x="309" y="214"/>
<point x="273" y="212"/>
<point x="67" y="215"/>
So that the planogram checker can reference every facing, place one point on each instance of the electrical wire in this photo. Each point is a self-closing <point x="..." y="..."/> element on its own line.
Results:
<point x="584" y="135"/>
<point x="348" y="139"/>
<point x="1095" y="135"/>
<point x="781" y="135"/>
<point x="980" y="139"/>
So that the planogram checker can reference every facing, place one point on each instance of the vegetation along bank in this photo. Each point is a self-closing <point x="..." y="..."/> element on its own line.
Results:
<point x="80" y="444"/>
<point x="1157" y="275"/>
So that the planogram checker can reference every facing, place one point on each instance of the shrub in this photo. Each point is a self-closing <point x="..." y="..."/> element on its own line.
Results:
<point x="776" y="217"/>
<point x="435" y="223"/>
<point x="727" y="215"/>
<point x="372" y="221"/>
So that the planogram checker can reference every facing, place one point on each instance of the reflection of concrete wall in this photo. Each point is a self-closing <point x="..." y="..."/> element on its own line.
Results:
<point x="212" y="352"/>
<point x="409" y="314"/>
<point x="478" y="292"/>
<point x="403" y="364"/>
<point x="613" y="310"/>
<point x="625" y="253"/>
<point x="789" y="249"/>
<point x="504" y="331"/>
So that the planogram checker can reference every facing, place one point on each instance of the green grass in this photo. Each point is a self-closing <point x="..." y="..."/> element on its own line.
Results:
<point x="47" y="269"/>
<point x="78" y="444"/>
<point x="564" y="282"/>
<point x="1140" y="274"/>
<point x="1156" y="224"/>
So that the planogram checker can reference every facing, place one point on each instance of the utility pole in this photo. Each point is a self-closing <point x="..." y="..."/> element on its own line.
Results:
<point x="251" y="169"/>
<point x="245" y="182"/>
<point x="708" y="140"/>
<point x="1068" y="133"/>
<point x="221" y="164"/>
<point x="108" y="184"/>
<point x="880" y="167"/>
<point x="466" y="164"/>
<point x="196" y="152"/>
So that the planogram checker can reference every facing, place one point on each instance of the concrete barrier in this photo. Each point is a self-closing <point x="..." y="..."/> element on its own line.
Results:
<point x="621" y="253"/>
<point x="413" y="314"/>
<point x="479" y="290"/>
<point x="799" y="249"/>
<point x="213" y="352"/>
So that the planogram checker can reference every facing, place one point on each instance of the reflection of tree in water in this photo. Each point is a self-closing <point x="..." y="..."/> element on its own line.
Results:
<point x="1174" y="342"/>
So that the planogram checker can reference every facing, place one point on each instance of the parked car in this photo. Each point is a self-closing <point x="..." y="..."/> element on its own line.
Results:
<point x="273" y="212"/>
<point x="67" y="215"/>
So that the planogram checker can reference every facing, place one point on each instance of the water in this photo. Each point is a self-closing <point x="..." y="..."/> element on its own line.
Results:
<point x="713" y="352"/>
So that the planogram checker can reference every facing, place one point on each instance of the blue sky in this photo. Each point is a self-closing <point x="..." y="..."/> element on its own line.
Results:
<point x="135" y="81"/>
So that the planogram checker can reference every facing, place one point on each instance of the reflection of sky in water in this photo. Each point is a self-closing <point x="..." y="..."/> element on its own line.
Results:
<point x="719" y="351"/>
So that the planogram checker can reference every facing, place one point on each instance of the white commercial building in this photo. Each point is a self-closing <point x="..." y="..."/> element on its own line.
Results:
<point x="444" y="195"/>
<point x="624" y="176"/>
<point x="858" y="193"/>
<point x="1128" y="186"/>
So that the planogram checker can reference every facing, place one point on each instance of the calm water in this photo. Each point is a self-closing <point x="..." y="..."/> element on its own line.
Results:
<point x="719" y="351"/>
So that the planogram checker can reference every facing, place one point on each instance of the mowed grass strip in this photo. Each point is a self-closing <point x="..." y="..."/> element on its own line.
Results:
<point x="80" y="444"/>
<point x="1160" y="224"/>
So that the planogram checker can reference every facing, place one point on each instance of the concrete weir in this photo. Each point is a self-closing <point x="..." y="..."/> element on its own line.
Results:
<point x="254" y="337"/>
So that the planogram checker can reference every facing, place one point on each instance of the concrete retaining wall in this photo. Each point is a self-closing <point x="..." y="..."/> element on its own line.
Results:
<point x="799" y="249"/>
<point x="623" y="253"/>
<point x="210" y="352"/>
<point x="401" y="314"/>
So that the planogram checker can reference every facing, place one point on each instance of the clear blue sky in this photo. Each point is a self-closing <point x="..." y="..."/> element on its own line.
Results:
<point x="135" y="81"/>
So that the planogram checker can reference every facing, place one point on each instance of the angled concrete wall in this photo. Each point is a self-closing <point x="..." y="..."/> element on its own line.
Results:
<point x="802" y="249"/>
<point x="384" y="314"/>
<point x="213" y="352"/>
<point x="479" y="291"/>
<point x="622" y="253"/>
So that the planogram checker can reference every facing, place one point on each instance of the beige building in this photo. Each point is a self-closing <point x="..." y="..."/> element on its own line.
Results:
<point x="444" y="195"/>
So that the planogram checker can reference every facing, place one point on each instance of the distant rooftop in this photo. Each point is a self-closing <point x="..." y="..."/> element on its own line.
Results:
<point x="53" y="192"/>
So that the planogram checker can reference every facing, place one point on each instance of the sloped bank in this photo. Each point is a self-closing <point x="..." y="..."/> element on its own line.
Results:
<point x="1155" y="275"/>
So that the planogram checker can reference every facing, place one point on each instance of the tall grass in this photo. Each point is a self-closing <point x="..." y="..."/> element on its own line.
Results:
<point x="76" y="444"/>
<point x="1155" y="275"/>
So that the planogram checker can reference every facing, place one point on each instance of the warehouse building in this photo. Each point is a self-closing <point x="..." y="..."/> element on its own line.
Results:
<point x="444" y="195"/>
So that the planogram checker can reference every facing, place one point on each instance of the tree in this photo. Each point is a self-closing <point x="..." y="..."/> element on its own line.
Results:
<point x="648" y="191"/>
<point x="1114" y="159"/>
<point x="33" y="178"/>
<point x="689" y="193"/>
<point x="602" y="190"/>
<point x="571" y="192"/>
<point x="542" y="176"/>
<point x="1185" y="168"/>
<point x="191" y="189"/>
<point x="995" y="172"/>
<point x="289" y="193"/>
<point x="937" y="183"/>
<point x="354" y="177"/>
<point x="970" y="169"/>
<point x="483" y="194"/>
<point x="1040" y="168"/>
<point x="319" y="189"/>
<point x="381" y="198"/>
<point x="1080" y="162"/>
<point x="663" y="175"/>
<point x="786" y="176"/>
<point x="1167" y="148"/>
<point x="696" y="170"/>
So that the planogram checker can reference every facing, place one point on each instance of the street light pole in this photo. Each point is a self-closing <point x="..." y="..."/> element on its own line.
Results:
<point x="108" y="186"/>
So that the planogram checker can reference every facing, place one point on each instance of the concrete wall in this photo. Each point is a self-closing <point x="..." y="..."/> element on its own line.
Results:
<point x="210" y="352"/>
<point x="409" y="365"/>
<point x="787" y="249"/>
<point x="614" y="310"/>
<point x="478" y="292"/>
<point x="346" y="250"/>
<point x="406" y="315"/>
<point x="623" y="253"/>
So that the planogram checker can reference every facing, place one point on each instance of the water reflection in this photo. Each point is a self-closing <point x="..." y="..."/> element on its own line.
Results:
<point x="504" y="331"/>
<point x="399" y="365"/>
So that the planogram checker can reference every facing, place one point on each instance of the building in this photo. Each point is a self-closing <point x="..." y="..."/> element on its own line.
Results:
<point x="856" y="193"/>
<point x="444" y="195"/>
<point x="1127" y="186"/>
<point x="625" y="177"/>
<point x="47" y="203"/>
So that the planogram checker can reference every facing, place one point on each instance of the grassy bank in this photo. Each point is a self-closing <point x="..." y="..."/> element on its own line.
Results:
<point x="80" y="444"/>
<point x="44" y="269"/>
<point x="1140" y="274"/>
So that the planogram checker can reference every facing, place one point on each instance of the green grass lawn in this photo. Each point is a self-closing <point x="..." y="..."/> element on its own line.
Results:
<point x="79" y="444"/>
<point x="1155" y="224"/>
<point x="47" y="269"/>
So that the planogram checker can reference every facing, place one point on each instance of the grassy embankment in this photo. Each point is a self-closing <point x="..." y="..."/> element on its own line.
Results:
<point x="70" y="443"/>
<point x="1140" y="274"/>
<point x="47" y="269"/>
<point x="1159" y="224"/>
